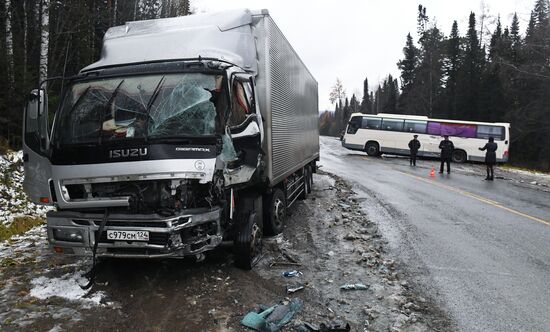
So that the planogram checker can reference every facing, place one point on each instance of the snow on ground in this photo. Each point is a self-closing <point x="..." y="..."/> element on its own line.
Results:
<point x="13" y="201"/>
<point x="67" y="287"/>
<point x="20" y="247"/>
<point x="531" y="177"/>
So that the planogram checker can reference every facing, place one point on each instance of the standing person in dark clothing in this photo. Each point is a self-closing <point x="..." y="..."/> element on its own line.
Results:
<point x="490" y="157"/>
<point x="447" y="148"/>
<point x="414" y="146"/>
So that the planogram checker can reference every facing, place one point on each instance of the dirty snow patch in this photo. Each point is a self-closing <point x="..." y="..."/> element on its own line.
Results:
<point x="66" y="287"/>
<point x="13" y="200"/>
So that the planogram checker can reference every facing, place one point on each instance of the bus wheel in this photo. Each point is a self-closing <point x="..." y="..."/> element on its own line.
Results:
<point x="372" y="149"/>
<point x="248" y="243"/>
<point x="459" y="156"/>
<point x="275" y="207"/>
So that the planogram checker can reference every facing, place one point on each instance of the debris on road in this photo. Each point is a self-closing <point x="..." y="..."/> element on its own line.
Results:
<point x="290" y="274"/>
<point x="294" y="288"/>
<point x="306" y="327"/>
<point x="272" y="319"/>
<point x="358" y="286"/>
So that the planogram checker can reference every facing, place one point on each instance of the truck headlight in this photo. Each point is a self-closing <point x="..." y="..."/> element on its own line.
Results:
<point x="68" y="234"/>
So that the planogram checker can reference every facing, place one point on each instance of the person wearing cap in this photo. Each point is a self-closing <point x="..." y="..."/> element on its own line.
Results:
<point x="446" y="147"/>
<point x="490" y="157"/>
<point x="414" y="146"/>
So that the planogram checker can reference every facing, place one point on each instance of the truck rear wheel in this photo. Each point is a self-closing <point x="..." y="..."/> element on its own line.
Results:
<point x="275" y="212"/>
<point x="248" y="243"/>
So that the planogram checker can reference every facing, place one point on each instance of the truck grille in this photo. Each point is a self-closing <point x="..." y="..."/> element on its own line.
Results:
<point x="115" y="223"/>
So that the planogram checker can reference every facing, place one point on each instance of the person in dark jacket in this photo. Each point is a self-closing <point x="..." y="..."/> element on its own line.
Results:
<point x="490" y="157"/>
<point x="414" y="146"/>
<point x="447" y="147"/>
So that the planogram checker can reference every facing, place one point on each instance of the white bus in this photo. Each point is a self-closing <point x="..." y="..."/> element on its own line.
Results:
<point x="391" y="133"/>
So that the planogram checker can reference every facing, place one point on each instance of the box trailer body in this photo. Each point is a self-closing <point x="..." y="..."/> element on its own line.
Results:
<point x="188" y="131"/>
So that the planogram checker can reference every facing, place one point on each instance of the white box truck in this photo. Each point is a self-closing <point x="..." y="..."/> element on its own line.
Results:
<point x="188" y="132"/>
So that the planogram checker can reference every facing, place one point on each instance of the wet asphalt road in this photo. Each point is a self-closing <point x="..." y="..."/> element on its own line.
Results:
<point x="480" y="249"/>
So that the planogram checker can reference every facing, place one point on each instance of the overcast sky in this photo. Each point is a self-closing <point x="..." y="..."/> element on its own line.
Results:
<point x="354" y="39"/>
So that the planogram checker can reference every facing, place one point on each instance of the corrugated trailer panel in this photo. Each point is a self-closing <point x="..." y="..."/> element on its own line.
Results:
<point x="290" y="106"/>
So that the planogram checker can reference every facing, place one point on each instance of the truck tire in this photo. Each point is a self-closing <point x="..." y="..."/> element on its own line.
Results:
<point x="275" y="216"/>
<point x="459" y="156"/>
<point x="372" y="149"/>
<point x="248" y="243"/>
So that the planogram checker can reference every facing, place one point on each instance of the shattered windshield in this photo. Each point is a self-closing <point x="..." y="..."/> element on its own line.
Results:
<point x="155" y="106"/>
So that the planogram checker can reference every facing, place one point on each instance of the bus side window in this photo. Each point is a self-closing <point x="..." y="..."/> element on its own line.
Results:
<point x="414" y="126"/>
<point x="496" y="132"/>
<point x="392" y="124"/>
<point x="371" y="123"/>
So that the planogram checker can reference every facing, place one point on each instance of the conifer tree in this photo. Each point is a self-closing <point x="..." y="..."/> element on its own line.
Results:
<point x="366" y="103"/>
<point x="408" y="64"/>
<point x="469" y="79"/>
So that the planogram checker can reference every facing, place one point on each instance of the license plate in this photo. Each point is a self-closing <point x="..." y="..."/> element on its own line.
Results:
<point x="128" y="235"/>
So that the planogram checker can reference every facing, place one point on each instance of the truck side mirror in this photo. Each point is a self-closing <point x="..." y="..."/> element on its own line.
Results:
<point x="35" y="129"/>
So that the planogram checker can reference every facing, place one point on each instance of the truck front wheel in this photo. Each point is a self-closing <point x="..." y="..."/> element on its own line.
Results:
<point x="275" y="212"/>
<point x="248" y="243"/>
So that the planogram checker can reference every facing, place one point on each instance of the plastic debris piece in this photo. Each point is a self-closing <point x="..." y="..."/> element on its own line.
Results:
<point x="358" y="286"/>
<point x="306" y="327"/>
<point x="290" y="274"/>
<point x="257" y="321"/>
<point x="273" y="318"/>
<point x="294" y="288"/>
<point x="283" y="314"/>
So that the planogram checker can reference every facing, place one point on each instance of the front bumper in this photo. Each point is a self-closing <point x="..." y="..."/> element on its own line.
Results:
<point x="190" y="233"/>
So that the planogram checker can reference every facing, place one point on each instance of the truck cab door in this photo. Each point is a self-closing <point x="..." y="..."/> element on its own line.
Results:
<point x="244" y="122"/>
<point x="36" y="141"/>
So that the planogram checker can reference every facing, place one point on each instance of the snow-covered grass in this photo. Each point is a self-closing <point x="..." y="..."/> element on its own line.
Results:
<point x="19" y="225"/>
<point x="66" y="287"/>
<point x="524" y="171"/>
<point x="13" y="201"/>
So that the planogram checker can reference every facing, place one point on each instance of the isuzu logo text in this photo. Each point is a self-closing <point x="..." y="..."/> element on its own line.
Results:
<point x="125" y="153"/>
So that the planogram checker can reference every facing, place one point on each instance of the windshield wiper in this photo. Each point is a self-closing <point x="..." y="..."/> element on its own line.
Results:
<point x="150" y="104"/>
<point x="107" y="106"/>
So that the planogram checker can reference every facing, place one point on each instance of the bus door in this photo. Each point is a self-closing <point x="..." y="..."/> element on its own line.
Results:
<point x="353" y="134"/>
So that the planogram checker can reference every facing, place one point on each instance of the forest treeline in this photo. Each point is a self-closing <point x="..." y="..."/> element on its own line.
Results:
<point x="462" y="76"/>
<point x="44" y="38"/>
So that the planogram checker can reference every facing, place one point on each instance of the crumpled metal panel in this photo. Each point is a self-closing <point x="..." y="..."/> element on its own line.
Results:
<point x="226" y="36"/>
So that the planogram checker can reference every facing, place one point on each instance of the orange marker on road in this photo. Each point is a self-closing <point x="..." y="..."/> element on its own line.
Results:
<point x="432" y="172"/>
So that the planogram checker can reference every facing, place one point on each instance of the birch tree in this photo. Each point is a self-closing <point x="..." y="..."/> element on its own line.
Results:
<point x="9" y="42"/>
<point x="44" y="38"/>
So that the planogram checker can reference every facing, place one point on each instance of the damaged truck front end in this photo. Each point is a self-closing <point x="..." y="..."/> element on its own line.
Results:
<point x="136" y="236"/>
<point x="144" y="164"/>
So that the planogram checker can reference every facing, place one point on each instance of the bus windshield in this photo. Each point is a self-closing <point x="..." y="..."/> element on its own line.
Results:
<point x="149" y="106"/>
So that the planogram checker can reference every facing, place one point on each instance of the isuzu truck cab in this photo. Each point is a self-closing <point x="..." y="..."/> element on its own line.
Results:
<point x="187" y="132"/>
